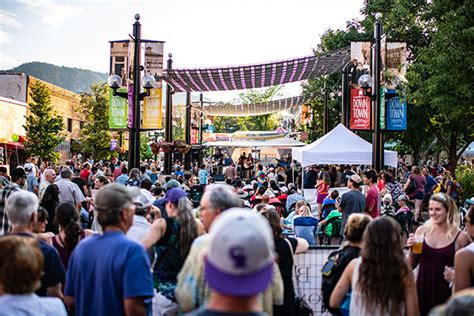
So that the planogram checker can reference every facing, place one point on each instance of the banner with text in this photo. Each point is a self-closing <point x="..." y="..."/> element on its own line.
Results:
<point x="152" y="110"/>
<point x="396" y="114"/>
<point x="117" y="110"/>
<point x="360" y="110"/>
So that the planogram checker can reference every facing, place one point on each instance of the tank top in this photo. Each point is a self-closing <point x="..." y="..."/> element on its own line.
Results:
<point x="431" y="286"/>
<point x="63" y="252"/>
<point x="357" y="297"/>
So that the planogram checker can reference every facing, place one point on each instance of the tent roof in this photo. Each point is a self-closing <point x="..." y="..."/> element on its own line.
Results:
<point x="256" y="75"/>
<point x="340" y="146"/>
<point x="277" y="143"/>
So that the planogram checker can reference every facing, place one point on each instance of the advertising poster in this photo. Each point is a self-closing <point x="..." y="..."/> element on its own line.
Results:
<point x="396" y="63"/>
<point x="152" y="110"/>
<point x="154" y="60"/>
<point x="361" y="53"/>
<point x="360" y="110"/>
<point x="396" y="114"/>
<point x="118" y="108"/>
<point x="382" y="108"/>
<point x="119" y="59"/>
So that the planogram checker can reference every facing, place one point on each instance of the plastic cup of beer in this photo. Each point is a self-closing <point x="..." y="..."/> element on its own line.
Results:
<point x="418" y="245"/>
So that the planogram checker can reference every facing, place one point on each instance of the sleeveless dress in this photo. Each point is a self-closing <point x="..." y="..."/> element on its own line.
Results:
<point x="357" y="307"/>
<point x="431" y="286"/>
<point x="169" y="260"/>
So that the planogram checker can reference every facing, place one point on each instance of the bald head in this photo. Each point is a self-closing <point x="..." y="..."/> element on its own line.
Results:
<point x="50" y="175"/>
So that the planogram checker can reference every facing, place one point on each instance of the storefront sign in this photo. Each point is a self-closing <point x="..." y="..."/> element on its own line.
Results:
<point x="396" y="114"/>
<point x="360" y="110"/>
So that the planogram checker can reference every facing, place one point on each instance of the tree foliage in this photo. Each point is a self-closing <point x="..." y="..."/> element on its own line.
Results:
<point x="96" y="132"/>
<point x="43" y="126"/>
<point x="265" y="122"/>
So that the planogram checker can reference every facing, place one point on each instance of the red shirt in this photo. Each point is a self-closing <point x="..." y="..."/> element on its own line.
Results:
<point x="373" y="200"/>
<point x="85" y="174"/>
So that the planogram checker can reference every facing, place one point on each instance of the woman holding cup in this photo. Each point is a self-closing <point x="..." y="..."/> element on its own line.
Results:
<point x="432" y="247"/>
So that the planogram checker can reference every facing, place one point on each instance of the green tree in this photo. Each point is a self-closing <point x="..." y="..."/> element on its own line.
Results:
<point x="96" y="132"/>
<point x="440" y="79"/>
<point x="145" y="150"/>
<point x="43" y="126"/>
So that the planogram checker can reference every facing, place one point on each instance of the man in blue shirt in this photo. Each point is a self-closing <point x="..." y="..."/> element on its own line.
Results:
<point x="123" y="178"/>
<point x="110" y="274"/>
<point x="203" y="174"/>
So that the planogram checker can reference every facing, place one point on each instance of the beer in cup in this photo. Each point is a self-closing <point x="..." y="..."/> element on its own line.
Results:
<point x="418" y="245"/>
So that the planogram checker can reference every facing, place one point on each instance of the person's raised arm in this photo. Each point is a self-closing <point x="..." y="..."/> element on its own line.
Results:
<point x="342" y="286"/>
<point x="157" y="230"/>
<point x="301" y="246"/>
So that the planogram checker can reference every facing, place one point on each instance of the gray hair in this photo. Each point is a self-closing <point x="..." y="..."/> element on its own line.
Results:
<point x="188" y="230"/>
<point x="110" y="202"/>
<point x="222" y="197"/>
<point x="20" y="206"/>
<point x="66" y="173"/>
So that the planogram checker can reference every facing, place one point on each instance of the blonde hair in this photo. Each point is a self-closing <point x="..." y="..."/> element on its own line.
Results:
<point x="452" y="219"/>
<point x="307" y="211"/>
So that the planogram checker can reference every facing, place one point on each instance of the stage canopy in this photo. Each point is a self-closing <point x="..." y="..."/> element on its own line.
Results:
<point x="275" y="143"/>
<point x="340" y="146"/>
<point x="251" y="109"/>
<point x="256" y="75"/>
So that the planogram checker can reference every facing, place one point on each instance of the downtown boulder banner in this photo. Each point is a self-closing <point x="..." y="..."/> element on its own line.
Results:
<point x="396" y="114"/>
<point x="360" y="111"/>
<point x="152" y="105"/>
<point x="118" y="110"/>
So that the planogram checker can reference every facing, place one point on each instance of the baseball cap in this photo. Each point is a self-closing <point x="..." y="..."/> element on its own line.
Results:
<point x="355" y="178"/>
<point x="173" y="195"/>
<point x="240" y="258"/>
<point x="403" y="197"/>
<point x="17" y="173"/>
<point x="172" y="184"/>
<point x="144" y="198"/>
<point x="28" y="166"/>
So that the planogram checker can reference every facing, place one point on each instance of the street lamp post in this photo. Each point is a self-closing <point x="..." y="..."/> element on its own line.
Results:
<point x="169" y="119"/>
<point x="115" y="82"/>
<point x="365" y="82"/>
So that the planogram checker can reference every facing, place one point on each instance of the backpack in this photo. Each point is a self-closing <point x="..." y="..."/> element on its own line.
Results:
<point x="331" y="273"/>
<point x="412" y="187"/>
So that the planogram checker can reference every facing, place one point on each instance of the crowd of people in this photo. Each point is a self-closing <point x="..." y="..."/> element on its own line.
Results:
<point x="95" y="238"/>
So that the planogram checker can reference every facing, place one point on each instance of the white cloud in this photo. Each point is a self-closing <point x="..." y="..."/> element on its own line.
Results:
<point x="8" y="19"/>
<point x="6" y="62"/>
<point x="51" y="12"/>
<point x="5" y="38"/>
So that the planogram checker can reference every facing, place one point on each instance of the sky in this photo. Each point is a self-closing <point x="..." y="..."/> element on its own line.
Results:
<point x="204" y="33"/>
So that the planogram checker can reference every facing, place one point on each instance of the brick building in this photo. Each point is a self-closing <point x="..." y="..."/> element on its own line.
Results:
<point x="66" y="104"/>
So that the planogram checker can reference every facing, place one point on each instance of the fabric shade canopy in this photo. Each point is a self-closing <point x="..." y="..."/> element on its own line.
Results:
<point x="252" y="109"/>
<point x="340" y="146"/>
<point x="276" y="143"/>
<point x="257" y="75"/>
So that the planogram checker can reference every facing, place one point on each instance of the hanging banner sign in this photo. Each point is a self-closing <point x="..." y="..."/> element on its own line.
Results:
<point x="382" y="109"/>
<point x="130" y="106"/>
<point x="396" y="114"/>
<point x="117" y="110"/>
<point x="194" y="136"/>
<point x="154" y="60"/>
<point x="152" y="110"/>
<point x="360" y="110"/>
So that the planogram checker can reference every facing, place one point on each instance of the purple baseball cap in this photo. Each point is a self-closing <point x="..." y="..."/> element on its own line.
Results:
<point x="174" y="195"/>
<point x="240" y="259"/>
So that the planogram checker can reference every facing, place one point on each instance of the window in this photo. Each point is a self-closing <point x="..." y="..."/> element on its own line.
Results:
<point x="69" y="125"/>
<point x="81" y="124"/>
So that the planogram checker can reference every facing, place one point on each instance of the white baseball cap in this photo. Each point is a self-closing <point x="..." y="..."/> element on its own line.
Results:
<point x="240" y="258"/>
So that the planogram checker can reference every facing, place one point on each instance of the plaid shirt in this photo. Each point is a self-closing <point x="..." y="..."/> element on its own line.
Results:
<point x="4" y="194"/>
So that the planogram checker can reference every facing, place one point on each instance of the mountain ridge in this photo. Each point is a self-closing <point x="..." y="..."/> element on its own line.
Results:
<point x="70" y="78"/>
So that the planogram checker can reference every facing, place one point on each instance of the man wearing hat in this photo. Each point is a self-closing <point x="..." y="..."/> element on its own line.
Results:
<point x="143" y="204"/>
<point x="192" y="290"/>
<point x="31" y="180"/>
<point x="109" y="274"/>
<point x="352" y="201"/>
<point x="18" y="176"/>
<point x="240" y="268"/>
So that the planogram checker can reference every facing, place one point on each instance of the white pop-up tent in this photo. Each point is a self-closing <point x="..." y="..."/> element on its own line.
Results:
<point x="340" y="146"/>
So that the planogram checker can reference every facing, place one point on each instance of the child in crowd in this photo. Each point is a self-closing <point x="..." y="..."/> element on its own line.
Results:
<point x="387" y="206"/>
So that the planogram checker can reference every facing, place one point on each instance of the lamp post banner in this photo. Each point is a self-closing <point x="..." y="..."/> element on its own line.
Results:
<point x="396" y="114"/>
<point x="117" y="110"/>
<point x="153" y="110"/>
<point x="154" y="60"/>
<point x="360" y="110"/>
<point x="130" y="106"/>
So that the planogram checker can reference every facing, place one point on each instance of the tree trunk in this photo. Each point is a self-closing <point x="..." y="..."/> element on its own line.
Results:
<point x="452" y="153"/>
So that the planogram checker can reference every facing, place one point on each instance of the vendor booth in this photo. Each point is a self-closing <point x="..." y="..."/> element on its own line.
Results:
<point x="340" y="146"/>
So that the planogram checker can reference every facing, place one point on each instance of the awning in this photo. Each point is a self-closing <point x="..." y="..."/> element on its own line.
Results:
<point x="256" y="75"/>
<point x="275" y="143"/>
<point x="14" y="145"/>
<point x="252" y="109"/>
